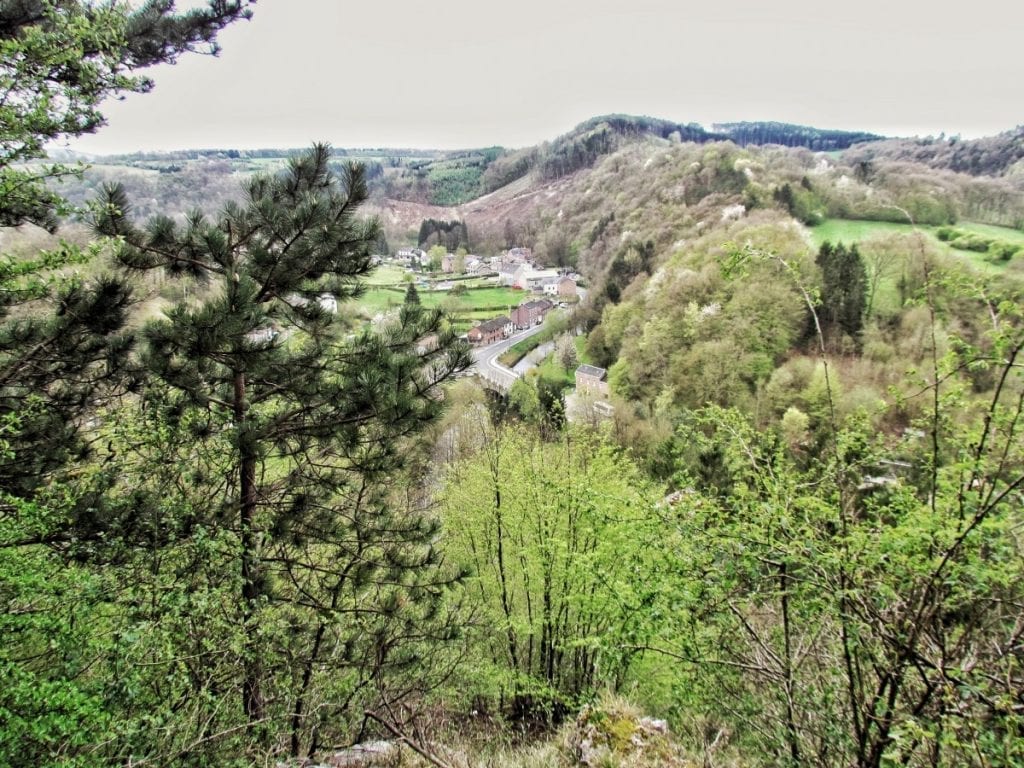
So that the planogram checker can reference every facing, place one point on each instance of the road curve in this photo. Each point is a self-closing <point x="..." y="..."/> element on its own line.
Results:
<point x="485" y="359"/>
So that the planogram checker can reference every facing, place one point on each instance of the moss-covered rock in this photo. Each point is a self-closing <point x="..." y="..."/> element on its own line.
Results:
<point x="612" y="734"/>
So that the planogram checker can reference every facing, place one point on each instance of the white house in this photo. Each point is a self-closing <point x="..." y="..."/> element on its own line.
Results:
<point x="507" y="272"/>
<point x="528" y="278"/>
<point x="561" y="286"/>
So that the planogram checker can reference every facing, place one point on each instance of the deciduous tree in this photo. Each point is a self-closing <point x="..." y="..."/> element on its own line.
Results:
<point x="553" y="532"/>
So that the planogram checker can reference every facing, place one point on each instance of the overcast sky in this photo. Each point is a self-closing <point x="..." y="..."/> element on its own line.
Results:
<point x="471" y="73"/>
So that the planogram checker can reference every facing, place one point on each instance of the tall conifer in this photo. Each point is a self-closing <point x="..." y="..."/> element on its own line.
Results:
<point x="314" y="424"/>
<point x="843" y="287"/>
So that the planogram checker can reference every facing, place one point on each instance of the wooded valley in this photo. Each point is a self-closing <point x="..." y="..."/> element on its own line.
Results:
<point x="253" y="511"/>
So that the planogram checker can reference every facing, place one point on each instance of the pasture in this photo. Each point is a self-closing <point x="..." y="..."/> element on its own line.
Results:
<point x="851" y="231"/>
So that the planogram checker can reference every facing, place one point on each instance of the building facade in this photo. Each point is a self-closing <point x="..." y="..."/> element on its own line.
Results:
<point x="490" y="331"/>
<point x="529" y="313"/>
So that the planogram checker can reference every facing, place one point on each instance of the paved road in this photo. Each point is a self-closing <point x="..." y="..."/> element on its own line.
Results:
<point x="486" y="359"/>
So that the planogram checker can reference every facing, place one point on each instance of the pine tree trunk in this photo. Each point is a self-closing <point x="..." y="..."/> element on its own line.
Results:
<point x="252" y="689"/>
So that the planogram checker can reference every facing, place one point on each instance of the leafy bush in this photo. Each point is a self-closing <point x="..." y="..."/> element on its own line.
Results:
<point x="971" y="242"/>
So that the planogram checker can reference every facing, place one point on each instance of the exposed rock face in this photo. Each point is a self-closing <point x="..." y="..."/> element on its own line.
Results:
<point x="371" y="754"/>
<point x="611" y="734"/>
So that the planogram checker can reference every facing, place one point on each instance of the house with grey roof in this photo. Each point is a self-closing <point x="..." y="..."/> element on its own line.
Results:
<point x="490" y="331"/>
<point x="530" y="313"/>
<point x="592" y="380"/>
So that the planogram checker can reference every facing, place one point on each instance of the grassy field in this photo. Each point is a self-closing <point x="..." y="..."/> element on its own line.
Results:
<point x="492" y="297"/>
<point x="386" y="274"/>
<point x="999" y="233"/>
<point x="392" y="274"/>
<point x="847" y="231"/>
<point x="481" y="304"/>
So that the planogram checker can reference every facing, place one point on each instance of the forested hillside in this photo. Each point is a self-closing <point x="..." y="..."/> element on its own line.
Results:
<point x="453" y="178"/>
<point x="990" y="156"/>
<point x="246" y="522"/>
<point x="787" y="135"/>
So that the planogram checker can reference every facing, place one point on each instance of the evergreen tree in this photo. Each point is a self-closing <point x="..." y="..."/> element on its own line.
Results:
<point x="60" y="60"/>
<point x="63" y="353"/>
<point x="313" y="426"/>
<point x="52" y="370"/>
<point x="61" y="341"/>
<point x="844" y="286"/>
<point x="412" y="296"/>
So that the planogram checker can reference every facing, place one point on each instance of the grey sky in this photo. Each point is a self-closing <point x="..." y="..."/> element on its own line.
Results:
<point x="465" y="73"/>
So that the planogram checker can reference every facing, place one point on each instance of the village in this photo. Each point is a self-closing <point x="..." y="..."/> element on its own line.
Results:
<point x="547" y="290"/>
<point x="515" y="268"/>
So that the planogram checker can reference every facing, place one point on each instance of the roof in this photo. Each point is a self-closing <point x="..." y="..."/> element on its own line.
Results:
<point x="592" y="370"/>
<point x="537" y="304"/>
<point x="541" y="274"/>
<point x="493" y="325"/>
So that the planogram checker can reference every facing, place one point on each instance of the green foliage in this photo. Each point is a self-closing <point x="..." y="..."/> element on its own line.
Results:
<point x="800" y="570"/>
<point x="53" y="367"/>
<point x="801" y="202"/>
<point x="433" y="176"/>
<point x="836" y="598"/>
<point x="519" y="350"/>
<point x="549" y="398"/>
<point x="699" y="338"/>
<point x="553" y="325"/>
<point x="299" y="436"/>
<point x="552" y="533"/>
<point x="843" y="287"/>
<point x="454" y="184"/>
<point x="999" y="250"/>
<point x="52" y="709"/>
<point x="412" y="296"/>
<point x="565" y="352"/>
<point x="788" y="135"/>
<point x="435" y="255"/>
<point x="63" y="355"/>
<point x="992" y="155"/>
<point x="449" y="235"/>
<point x="60" y="62"/>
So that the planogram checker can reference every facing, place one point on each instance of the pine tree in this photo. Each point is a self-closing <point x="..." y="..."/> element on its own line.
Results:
<point x="54" y="368"/>
<point x="412" y="296"/>
<point x="62" y="344"/>
<point x="63" y="353"/>
<point x="844" y="287"/>
<point x="313" y="425"/>
<point x="60" y="60"/>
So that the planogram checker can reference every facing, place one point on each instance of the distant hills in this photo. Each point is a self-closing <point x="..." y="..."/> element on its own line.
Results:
<point x="463" y="176"/>
<point x="552" y="194"/>
<point x="451" y="178"/>
<point x="443" y="178"/>
<point x="999" y="155"/>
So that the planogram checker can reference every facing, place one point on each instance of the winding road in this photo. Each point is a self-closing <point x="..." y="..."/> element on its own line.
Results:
<point x="486" y="363"/>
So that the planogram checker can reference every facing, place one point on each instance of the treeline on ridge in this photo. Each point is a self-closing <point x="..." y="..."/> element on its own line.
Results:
<point x="1000" y="155"/>
<point x="789" y="135"/>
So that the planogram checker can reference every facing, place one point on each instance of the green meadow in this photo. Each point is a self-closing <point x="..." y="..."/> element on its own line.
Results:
<point x="851" y="231"/>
